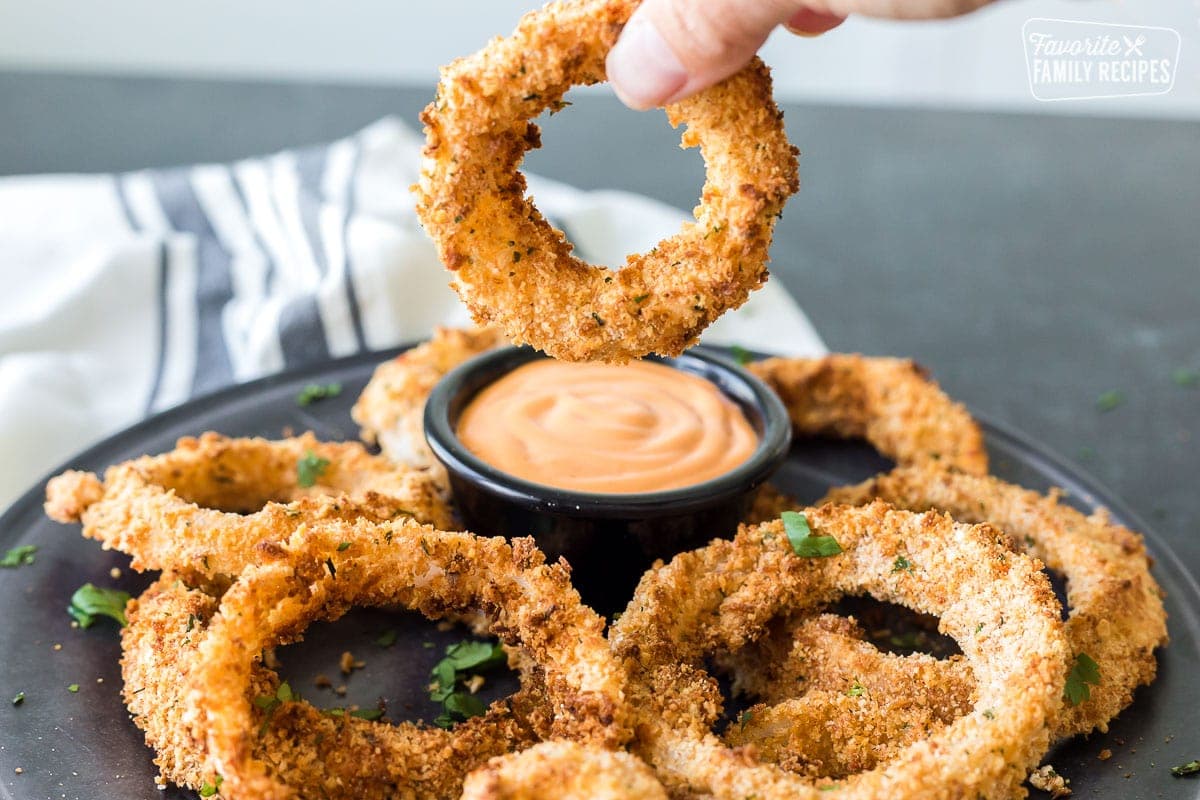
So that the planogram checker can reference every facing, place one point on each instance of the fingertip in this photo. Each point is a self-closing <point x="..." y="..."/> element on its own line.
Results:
<point x="809" y="23"/>
<point x="642" y="68"/>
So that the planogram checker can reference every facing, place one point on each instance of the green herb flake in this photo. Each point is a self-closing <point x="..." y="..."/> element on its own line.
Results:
<point x="210" y="789"/>
<point x="1183" y="770"/>
<point x="372" y="714"/>
<point x="856" y="690"/>
<point x="901" y="564"/>
<point x="1109" y="401"/>
<point x="1186" y="378"/>
<point x="20" y="556"/>
<point x="343" y="546"/>
<point x="90" y="602"/>
<point x="191" y="623"/>
<point x="741" y="355"/>
<point x="989" y="713"/>
<point x="387" y="638"/>
<point x="804" y="544"/>
<point x="73" y="688"/>
<point x="1085" y="671"/>
<point x="309" y="469"/>
<point x="315" y="392"/>
<point x="18" y="698"/>
<point x="449" y="673"/>
<point x="744" y="718"/>
<point x="641" y="298"/>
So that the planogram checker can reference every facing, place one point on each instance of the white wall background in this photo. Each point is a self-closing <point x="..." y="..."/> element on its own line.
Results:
<point x="972" y="62"/>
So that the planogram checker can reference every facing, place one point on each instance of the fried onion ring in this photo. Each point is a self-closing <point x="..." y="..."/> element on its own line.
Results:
<point x="206" y="507"/>
<point x="330" y="756"/>
<point x="391" y="408"/>
<point x="995" y="603"/>
<point x="1116" y="610"/>
<point x="561" y="770"/>
<point x="513" y="269"/>
<point x="890" y="402"/>
<point x="529" y="604"/>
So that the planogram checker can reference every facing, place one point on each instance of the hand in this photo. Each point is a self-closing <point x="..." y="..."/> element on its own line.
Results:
<point x="671" y="49"/>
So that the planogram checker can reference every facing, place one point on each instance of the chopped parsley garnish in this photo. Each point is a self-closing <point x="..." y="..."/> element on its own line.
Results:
<point x="1109" y="400"/>
<point x="371" y="714"/>
<point x="343" y="546"/>
<point x="1085" y="671"/>
<point x="315" y="392"/>
<point x="90" y="602"/>
<point x="18" y="698"/>
<point x="1186" y="378"/>
<point x="741" y="355"/>
<point x="387" y="638"/>
<point x="210" y="789"/>
<point x="804" y="544"/>
<point x="19" y="556"/>
<point x="271" y="703"/>
<point x="641" y="298"/>
<point x="73" y="688"/>
<point x="1183" y="770"/>
<point x="449" y="674"/>
<point x="310" y="468"/>
<point x="901" y="564"/>
<point x="989" y="713"/>
<point x="856" y="690"/>
<point x="744" y="718"/>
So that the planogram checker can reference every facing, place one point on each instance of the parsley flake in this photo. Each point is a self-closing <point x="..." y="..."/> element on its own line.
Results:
<point x="1109" y="401"/>
<point x="387" y="638"/>
<point x="451" y="672"/>
<point x="310" y="468"/>
<point x="641" y="298"/>
<point x="18" y="699"/>
<point x="1085" y="671"/>
<point x="343" y="547"/>
<point x="856" y="690"/>
<point x="1186" y="378"/>
<point x="90" y="602"/>
<point x="741" y="355"/>
<point x="73" y="688"/>
<point x="210" y="789"/>
<point x="1183" y="770"/>
<point x="20" y="556"/>
<point x="744" y="718"/>
<point x="315" y="392"/>
<point x="804" y="544"/>
<point x="901" y="564"/>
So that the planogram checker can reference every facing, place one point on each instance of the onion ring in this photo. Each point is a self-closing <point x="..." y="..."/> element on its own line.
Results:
<point x="513" y="269"/>
<point x="890" y="402"/>
<point x="564" y="771"/>
<point x="996" y="603"/>
<point x="1116" y="610"/>
<point x="341" y="756"/>
<point x="391" y="408"/>
<point x="205" y="508"/>
<point x="529" y="604"/>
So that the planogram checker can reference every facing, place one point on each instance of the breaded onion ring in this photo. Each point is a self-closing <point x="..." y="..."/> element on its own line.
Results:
<point x="205" y="508"/>
<point x="995" y="603"/>
<point x="391" y="408"/>
<point x="1116" y="610"/>
<point x="326" y="756"/>
<point x="513" y="269"/>
<point x="529" y="604"/>
<point x="859" y="707"/>
<point x="892" y="403"/>
<point x="564" y="771"/>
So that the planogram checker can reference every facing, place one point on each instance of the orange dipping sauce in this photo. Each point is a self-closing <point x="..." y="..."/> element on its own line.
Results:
<point x="605" y="428"/>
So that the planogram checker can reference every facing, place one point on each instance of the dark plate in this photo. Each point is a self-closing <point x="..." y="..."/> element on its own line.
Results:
<point x="83" y="745"/>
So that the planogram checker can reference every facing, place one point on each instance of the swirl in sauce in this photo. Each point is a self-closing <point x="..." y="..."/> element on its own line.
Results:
<point x="604" y="428"/>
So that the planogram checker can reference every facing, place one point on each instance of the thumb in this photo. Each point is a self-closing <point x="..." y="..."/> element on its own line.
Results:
<point x="674" y="48"/>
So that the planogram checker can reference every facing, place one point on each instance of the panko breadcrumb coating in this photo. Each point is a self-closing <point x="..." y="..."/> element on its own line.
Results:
<point x="514" y="270"/>
<point x="561" y="770"/>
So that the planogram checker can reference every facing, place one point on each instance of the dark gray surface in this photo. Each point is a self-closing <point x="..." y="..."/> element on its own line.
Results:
<point x="1032" y="263"/>
<point x="81" y="745"/>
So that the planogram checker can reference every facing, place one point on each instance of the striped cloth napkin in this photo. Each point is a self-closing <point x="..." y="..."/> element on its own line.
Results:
<point x="128" y="294"/>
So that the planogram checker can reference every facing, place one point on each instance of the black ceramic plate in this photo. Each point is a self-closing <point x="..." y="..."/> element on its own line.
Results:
<point x="82" y="745"/>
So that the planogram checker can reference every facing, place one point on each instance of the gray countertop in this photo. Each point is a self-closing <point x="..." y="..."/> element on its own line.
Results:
<point x="1033" y="263"/>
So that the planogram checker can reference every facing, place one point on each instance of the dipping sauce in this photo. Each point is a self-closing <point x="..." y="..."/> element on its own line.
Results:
<point x="605" y="428"/>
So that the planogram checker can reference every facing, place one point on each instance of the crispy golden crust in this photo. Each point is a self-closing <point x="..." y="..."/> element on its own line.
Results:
<point x="561" y="770"/>
<point x="513" y="269"/>
<point x="529" y="604"/>
<point x="319" y="754"/>
<point x="995" y="603"/>
<point x="1116" y="609"/>
<point x="890" y="402"/>
<point x="834" y="704"/>
<point x="391" y="408"/>
<point x="210" y="506"/>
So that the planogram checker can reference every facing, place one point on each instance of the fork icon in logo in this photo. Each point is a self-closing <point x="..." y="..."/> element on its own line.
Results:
<point x="1134" y="46"/>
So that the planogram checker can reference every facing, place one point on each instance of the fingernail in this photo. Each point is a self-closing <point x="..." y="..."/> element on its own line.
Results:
<point x="641" y="67"/>
<point x="804" y="33"/>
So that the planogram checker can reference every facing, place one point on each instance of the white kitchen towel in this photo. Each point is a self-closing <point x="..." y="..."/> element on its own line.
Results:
<point x="124" y="295"/>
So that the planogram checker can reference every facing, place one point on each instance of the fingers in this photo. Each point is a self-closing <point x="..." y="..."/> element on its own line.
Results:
<point x="807" y="22"/>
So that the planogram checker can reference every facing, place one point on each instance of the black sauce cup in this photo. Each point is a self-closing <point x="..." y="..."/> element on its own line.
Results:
<point x="608" y="539"/>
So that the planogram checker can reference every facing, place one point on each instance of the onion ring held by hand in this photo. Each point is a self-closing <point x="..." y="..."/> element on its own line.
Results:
<point x="890" y="402"/>
<point x="561" y="770"/>
<point x="513" y="269"/>
<point x="529" y="604"/>
<point x="205" y="508"/>
<point x="1116" y="611"/>
<point x="995" y="603"/>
